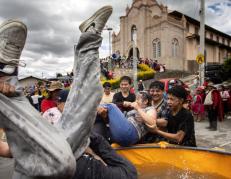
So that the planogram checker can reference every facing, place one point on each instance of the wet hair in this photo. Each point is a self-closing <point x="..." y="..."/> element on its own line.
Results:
<point x="146" y="96"/>
<point x="178" y="91"/>
<point x="157" y="84"/>
<point x="126" y="78"/>
<point x="107" y="85"/>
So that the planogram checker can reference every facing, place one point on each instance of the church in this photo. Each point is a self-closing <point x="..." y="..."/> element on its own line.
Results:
<point x="170" y="37"/>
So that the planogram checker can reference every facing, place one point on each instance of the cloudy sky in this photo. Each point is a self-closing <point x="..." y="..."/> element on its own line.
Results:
<point x="53" y="27"/>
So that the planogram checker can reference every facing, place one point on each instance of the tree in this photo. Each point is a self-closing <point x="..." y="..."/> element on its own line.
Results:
<point x="40" y="83"/>
<point x="58" y="75"/>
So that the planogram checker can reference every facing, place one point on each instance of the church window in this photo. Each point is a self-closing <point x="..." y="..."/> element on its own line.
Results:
<point x="175" y="47"/>
<point x="156" y="48"/>
<point x="133" y="33"/>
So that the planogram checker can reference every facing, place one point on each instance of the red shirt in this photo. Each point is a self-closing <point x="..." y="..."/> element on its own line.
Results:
<point x="47" y="104"/>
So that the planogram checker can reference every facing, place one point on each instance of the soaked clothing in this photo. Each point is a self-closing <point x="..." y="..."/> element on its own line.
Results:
<point x="39" y="149"/>
<point x="183" y="121"/>
<point x="125" y="129"/>
<point x="162" y="110"/>
<point x="117" y="167"/>
<point x="137" y="122"/>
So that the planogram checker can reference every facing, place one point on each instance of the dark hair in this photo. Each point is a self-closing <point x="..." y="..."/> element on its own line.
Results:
<point x="157" y="84"/>
<point x="146" y="96"/>
<point x="126" y="78"/>
<point x="178" y="91"/>
<point x="107" y="84"/>
<point x="62" y="95"/>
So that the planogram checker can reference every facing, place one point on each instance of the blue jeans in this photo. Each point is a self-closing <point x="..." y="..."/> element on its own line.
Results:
<point x="122" y="130"/>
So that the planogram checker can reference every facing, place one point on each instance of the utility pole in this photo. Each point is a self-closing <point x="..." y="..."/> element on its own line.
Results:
<point x="202" y="40"/>
<point x="134" y="30"/>
<point x="109" y="43"/>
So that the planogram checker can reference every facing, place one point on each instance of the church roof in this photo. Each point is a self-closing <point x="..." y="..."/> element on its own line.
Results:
<point x="149" y="3"/>
<point x="196" y="22"/>
<point x="144" y="2"/>
<point x="140" y="3"/>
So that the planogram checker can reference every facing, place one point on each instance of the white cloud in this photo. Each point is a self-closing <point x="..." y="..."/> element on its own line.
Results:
<point x="53" y="27"/>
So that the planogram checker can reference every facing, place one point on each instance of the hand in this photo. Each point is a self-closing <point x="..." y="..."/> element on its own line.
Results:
<point x="153" y="128"/>
<point x="7" y="89"/>
<point x="135" y="105"/>
<point x="126" y="104"/>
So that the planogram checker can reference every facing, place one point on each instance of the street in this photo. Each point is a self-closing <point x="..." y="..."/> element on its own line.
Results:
<point x="211" y="139"/>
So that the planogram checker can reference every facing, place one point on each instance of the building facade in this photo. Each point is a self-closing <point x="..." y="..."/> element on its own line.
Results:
<point x="30" y="81"/>
<point x="170" y="37"/>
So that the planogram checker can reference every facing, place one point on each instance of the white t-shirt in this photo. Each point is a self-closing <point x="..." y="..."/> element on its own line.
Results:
<point x="107" y="98"/>
<point x="35" y="99"/>
<point x="52" y="115"/>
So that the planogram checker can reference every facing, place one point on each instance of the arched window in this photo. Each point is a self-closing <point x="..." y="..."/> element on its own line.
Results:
<point x="133" y="32"/>
<point x="175" y="48"/>
<point x="156" y="48"/>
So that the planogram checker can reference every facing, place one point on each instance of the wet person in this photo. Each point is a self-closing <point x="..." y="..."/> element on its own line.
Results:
<point x="130" y="128"/>
<point x="31" y="138"/>
<point x="179" y="121"/>
<point x="101" y="160"/>
<point x="124" y="95"/>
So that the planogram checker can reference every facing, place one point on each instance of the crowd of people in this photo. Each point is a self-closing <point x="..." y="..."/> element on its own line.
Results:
<point x="211" y="101"/>
<point x="147" y="116"/>
<point x="109" y="63"/>
<point x="68" y="130"/>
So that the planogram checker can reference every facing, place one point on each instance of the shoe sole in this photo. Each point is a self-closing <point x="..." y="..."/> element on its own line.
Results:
<point x="12" y="23"/>
<point x="88" y="22"/>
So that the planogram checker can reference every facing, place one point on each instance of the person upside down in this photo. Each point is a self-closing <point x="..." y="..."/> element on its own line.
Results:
<point x="128" y="129"/>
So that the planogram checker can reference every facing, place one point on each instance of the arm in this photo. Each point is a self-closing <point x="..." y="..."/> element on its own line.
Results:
<point x="178" y="137"/>
<point x="5" y="150"/>
<point x="6" y="88"/>
<point x="148" y="117"/>
<point x="161" y="122"/>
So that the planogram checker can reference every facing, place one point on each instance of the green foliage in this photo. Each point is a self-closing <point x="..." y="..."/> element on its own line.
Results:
<point x="58" y="75"/>
<point x="145" y="73"/>
<point x="40" y="83"/>
<point x="115" y="83"/>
